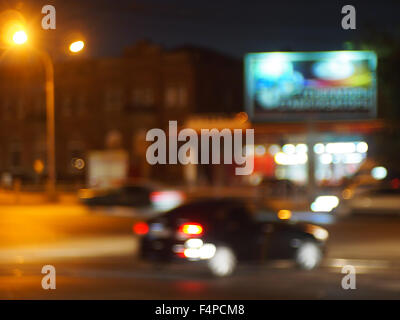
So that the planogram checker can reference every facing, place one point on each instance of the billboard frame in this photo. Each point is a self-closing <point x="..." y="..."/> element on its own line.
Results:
<point x="308" y="116"/>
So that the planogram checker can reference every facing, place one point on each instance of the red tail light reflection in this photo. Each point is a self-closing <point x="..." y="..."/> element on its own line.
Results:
<point x="141" y="228"/>
<point x="191" y="229"/>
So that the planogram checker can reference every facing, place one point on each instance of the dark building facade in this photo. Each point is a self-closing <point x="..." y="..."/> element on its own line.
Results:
<point x="108" y="103"/>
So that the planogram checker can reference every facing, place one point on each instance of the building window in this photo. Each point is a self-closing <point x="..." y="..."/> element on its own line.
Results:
<point x="182" y="96"/>
<point x="176" y="96"/>
<point x="228" y="98"/>
<point x="6" y="108"/>
<point x="66" y="106"/>
<point x="76" y="160"/>
<point x="143" y="97"/>
<point x="16" y="156"/>
<point x="40" y="153"/>
<point x="81" y="104"/>
<point x="114" y="99"/>
<point x="21" y="108"/>
<point x="39" y="106"/>
<point x="170" y="96"/>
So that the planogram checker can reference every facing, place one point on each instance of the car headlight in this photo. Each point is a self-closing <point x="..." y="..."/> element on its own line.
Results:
<point x="318" y="232"/>
<point x="284" y="214"/>
<point x="325" y="203"/>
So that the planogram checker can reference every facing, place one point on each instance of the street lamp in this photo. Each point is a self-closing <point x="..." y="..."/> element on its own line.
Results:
<point x="76" y="46"/>
<point x="19" y="38"/>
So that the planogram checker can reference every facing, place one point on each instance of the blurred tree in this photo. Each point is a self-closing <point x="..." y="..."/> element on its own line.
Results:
<point x="386" y="144"/>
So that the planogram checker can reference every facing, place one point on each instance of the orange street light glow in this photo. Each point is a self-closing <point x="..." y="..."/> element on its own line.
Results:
<point x="284" y="214"/>
<point x="20" y="37"/>
<point x="38" y="166"/>
<point x="76" y="46"/>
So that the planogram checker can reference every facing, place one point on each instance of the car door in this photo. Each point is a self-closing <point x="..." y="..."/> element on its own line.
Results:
<point x="242" y="233"/>
<point x="265" y="241"/>
<point x="280" y="240"/>
<point x="134" y="196"/>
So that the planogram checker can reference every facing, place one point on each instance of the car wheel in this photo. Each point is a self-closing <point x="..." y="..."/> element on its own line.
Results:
<point x="223" y="263"/>
<point x="308" y="255"/>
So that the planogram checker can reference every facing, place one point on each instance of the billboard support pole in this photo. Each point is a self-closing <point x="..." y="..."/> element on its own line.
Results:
<point x="311" y="140"/>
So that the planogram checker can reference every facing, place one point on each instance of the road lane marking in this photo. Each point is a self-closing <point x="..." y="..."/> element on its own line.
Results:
<point x="365" y="263"/>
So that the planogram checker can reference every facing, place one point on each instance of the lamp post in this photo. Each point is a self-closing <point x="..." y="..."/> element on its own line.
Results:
<point x="19" y="38"/>
<point x="50" y="122"/>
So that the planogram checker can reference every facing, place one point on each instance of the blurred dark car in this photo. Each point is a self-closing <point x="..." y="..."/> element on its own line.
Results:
<point x="222" y="232"/>
<point x="140" y="196"/>
<point x="381" y="200"/>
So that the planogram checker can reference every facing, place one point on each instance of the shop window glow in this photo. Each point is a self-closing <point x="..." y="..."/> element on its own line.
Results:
<point x="379" y="173"/>
<point x="325" y="203"/>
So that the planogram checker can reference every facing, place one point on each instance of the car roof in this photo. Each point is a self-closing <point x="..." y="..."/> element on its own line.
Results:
<point x="203" y="208"/>
<point x="214" y="203"/>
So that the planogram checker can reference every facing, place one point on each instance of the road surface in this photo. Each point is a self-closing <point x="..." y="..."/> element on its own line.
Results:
<point x="94" y="257"/>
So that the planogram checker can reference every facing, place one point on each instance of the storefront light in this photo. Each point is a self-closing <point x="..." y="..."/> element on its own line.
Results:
<point x="255" y="179"/>
<point x="319" y="148"/>
<point x="301" y="148"/>
<point x="290" y="159"/>
<point x="325" y="203"/>
<point x="341" y="147"/>
<point x="326" y="158"/>
<point x="260" y="150"/>
<point x="362" y="147"/>
<point x="280" y="158"/>
<point x="289" y="149"/>
<point x="302" y="158"/>
<point x="280" y="173"/>
<point x="274" y="149"/>
<point x="353" y="158"/>
<point x="379" y="173"/>
<point x="337" y="158"/>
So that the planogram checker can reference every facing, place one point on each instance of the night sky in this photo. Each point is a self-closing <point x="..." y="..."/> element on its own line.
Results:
<point x="228" y="26"/>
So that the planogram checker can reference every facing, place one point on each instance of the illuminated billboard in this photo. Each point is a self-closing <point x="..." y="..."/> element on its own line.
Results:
<point x="331" y="85"/>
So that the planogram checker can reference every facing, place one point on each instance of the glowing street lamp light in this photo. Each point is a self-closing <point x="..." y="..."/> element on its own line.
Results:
<point x="20" y="37"/>
<point x="76" y="46"/>
<point x="17" y="36"/>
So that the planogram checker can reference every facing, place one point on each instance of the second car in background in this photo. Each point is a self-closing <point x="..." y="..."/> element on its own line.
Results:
<point x="144" y="197"/>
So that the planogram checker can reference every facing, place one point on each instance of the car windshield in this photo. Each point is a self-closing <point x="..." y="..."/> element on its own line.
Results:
<point x="200" y="210"/>
<point x="135" y="189"/>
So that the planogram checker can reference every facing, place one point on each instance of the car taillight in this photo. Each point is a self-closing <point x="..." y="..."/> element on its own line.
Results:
<point x="166" y="195"/>
<point x="141" y="228"/>
<point x="166" y="200"/>
<point x="191" y="229"/>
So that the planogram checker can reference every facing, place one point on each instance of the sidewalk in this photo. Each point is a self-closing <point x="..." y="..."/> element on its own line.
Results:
<point x="78" y="248"/>
<point x="9" y="197"/>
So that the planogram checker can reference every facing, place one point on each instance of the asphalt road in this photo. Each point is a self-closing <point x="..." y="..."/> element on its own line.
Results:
<point x="94" y="257"/>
